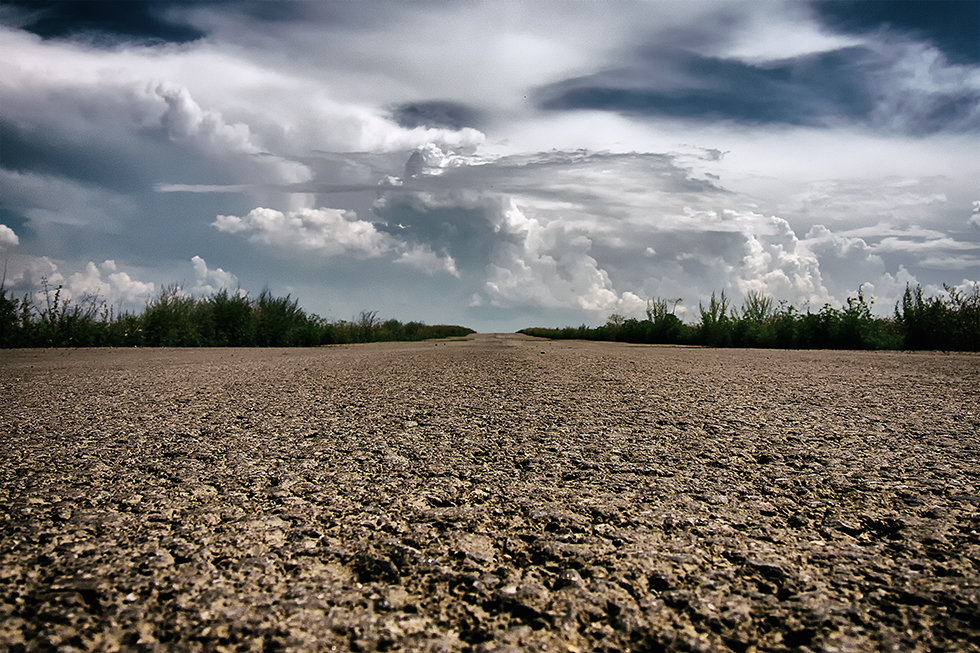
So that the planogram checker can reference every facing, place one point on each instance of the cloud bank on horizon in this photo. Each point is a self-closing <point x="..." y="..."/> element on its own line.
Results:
<point x="498" y="165"/>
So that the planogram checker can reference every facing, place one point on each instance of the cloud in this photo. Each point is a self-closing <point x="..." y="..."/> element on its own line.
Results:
<point x="951" y="26"/>
<point x="780" y="31"/>
<point x="574" y="186"/>
<point x="432" y="160"/>
<point x="461" y="224"/>
<point x="7" y="237"/>
<point x="845" y="261"/>
<point x="951" y="262"/>
<point x="225" y="119"/>
<point x="807" y="91"/>
<point x="27" y="274"/>
<point x="428" y="261"/>
<point x="55" y="200"/>
<point x="208" y="281"/>
<point x="95" y="284"/>
<point x="143" y="21"/>
<point x="893" y="87"/>
<point x="511" y="258"/>
<point x="782" y="64"/>
<point x="202" y="188"/>
<point x="184" y="119"/>
<point x="943" y="243"/>
<point x="919" y="92"/>
<point x="114" y="287"/>
<point x="335" y="232"/>
<point x="886" y="200"/>
<point x="545" y="264"/>
<point x="777" y="264"/>
<point x="590" y="230"/>
<point x="329" y="232"/>
<point x="435" y="113"/>
<point x="421" y="52"/>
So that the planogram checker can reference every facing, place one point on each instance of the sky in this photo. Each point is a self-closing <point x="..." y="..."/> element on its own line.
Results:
<point x="494" y="164"/>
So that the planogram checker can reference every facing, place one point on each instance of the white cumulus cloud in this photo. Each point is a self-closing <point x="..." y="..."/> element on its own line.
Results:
<point x="547" y="265"/>
<point x="7" y="237"/>
<point x="330" y="232"/>
<point x="209" y="281"/>
<point x="778" y="265"/>
<point x="107" y="283"/>
<point x="423" y="258"/>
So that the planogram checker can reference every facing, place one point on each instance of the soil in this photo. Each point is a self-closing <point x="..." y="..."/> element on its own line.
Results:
<point x="494" y="494"/>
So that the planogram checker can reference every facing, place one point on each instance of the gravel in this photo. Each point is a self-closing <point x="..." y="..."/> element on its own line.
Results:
<point x="500" y="493"/>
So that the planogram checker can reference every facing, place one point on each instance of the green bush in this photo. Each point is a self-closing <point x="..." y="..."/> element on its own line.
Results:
<point x="176" y="319"/>
<point x="234" y="323"/>
<point x="949" y="323"/>
<point x="716" y="329"/>
<point x="937" y="323"/>
<point x="9" y="320"/>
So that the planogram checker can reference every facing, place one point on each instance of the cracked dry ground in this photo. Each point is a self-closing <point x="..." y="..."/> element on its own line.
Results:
<point x="499" y="493"/>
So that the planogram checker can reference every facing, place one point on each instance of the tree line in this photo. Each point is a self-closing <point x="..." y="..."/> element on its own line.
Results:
<point x="176" y="319"/>
<point x="950" y="322"/>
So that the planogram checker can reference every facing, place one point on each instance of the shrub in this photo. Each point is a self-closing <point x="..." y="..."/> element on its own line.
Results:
<point x="950" y="322"/>
<point x="233" y="320"/>
<point x="935" y="323"/>
<point x="175" y="319"/>
<point x="716" y="325"/>
<point x="9" y="320"/>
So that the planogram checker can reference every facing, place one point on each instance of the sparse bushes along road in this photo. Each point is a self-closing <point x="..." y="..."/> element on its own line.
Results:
<point x="948" y="323"/>
<point x="176" y="319"/>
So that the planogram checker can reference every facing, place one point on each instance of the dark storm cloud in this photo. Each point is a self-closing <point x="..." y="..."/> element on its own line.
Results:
<point x="16" y="221"/>
<point x="463" y="230"/>
<point x="141" y="20"/>
<point x="805" y="91"/>
<point x="838" y="87"/>
<point x="945" y="110"/>
<point x="436" y="113"/>
<point x="108" y="162"/>
<point x="952" y="26"/>
<point x="49" y="152"/>
<point x="173" y="21"/>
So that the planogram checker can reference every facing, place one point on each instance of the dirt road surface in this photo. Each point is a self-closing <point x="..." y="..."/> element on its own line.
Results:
<point x="500" y="493"/>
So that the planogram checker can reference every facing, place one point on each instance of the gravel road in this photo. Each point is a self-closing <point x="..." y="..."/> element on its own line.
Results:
<point x="498" y="493"/>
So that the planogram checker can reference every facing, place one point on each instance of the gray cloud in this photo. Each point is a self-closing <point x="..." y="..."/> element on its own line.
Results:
<point x="436" y="113"/>
<point x="952" y="26"/>
<point x="100" y="21"/>
<point x="861" y="85"/>
<point x="462" y="227"/>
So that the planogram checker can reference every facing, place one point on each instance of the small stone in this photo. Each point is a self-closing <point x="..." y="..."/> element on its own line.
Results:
<point x="374" y="568"/>
<point x="568" y="578"/>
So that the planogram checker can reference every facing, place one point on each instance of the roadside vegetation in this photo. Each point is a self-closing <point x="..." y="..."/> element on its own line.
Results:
<point x="176" y="319"/>
<point x="950" y="322"/>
